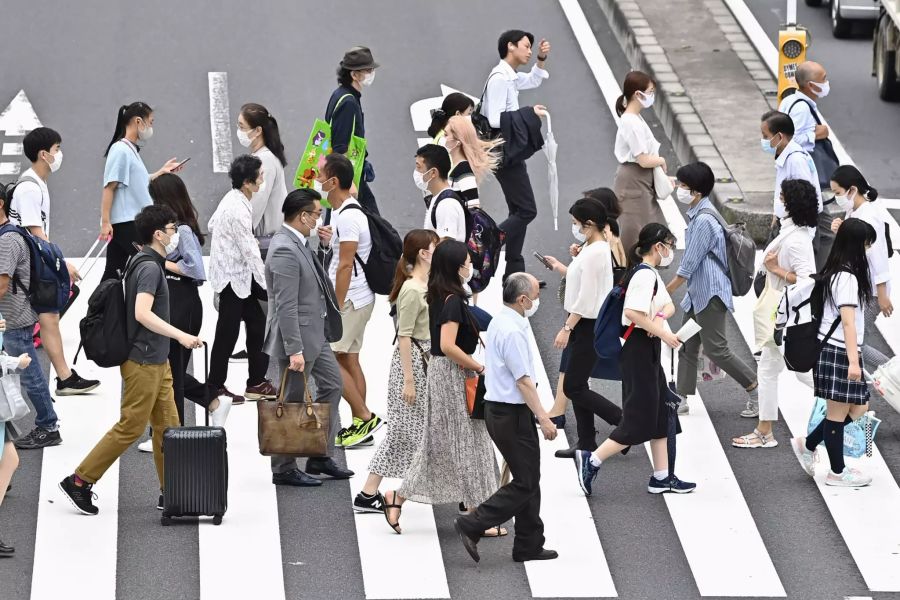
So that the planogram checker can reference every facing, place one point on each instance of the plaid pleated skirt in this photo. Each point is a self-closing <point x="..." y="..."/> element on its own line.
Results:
<point x="830" y="377"/>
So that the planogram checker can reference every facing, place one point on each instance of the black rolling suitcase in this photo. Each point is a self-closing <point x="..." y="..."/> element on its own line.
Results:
<point x="196" y="470"/>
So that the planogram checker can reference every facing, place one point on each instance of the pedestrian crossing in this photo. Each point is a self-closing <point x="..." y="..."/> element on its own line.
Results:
<point x="718" y="533"/>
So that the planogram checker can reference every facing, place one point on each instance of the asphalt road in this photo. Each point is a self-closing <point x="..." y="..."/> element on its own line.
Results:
<point x="283" y="55"/>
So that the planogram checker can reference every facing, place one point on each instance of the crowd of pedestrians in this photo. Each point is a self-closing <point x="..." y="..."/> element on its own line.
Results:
<point x="300" y="278"/>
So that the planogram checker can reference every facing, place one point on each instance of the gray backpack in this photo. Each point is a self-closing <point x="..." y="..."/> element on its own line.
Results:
<point x="740" y="250"/>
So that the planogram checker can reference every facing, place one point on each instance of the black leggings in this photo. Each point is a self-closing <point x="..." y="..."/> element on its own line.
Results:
<point x="586" y="402"/>
<point x="120" y="249"/>
<point x="233" y="310"/>
<point x="187" y="315"/>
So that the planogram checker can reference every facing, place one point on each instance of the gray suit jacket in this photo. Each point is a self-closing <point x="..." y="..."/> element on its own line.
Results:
<point x="303" y="314"/>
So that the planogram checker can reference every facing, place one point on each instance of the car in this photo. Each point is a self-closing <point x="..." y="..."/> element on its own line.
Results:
<point x="845" y="12"/>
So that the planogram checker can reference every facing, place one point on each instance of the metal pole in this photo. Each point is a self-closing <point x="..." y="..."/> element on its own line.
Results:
<point x="791" y="12"/>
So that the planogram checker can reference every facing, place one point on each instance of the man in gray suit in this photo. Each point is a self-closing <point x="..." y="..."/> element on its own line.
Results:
<point x="302" y="319"/>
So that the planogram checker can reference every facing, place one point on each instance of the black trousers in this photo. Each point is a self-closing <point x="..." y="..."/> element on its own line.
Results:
<point x="585" y="402"/>
<point x="233" y="310"/>
<point x="511" y="427"/>
<point x="186" y="313"/>
<point x="120" y="249"/>
<point x="519" y="196"/>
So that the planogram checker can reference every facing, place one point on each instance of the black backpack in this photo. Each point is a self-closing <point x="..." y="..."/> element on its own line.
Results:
<point x="387" y="247"/>
<point x="449" y="193"/>
<point x="104" y="329"/>
<point x="802" y="346"/>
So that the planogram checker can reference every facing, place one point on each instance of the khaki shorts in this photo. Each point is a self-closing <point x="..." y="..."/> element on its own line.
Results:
<point x="354" y="321"/>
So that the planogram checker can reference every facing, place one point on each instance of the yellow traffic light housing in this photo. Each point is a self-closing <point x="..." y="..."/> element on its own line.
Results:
<point x="792" y="45"/>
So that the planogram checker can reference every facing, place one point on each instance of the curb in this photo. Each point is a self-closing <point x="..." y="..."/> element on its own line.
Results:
<point x="684" y="127"/>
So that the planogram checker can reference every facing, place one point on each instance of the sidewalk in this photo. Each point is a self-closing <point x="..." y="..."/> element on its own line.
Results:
<point x="712" y="90"/>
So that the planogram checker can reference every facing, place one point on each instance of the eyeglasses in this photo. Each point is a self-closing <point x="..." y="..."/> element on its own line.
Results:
<point x="170" y="228"/>
<point x="316" y="214"/>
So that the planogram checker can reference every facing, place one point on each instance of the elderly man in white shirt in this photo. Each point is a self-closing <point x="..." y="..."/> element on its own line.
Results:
<point x="511" y="402"/>
<point x="501" y="95"/>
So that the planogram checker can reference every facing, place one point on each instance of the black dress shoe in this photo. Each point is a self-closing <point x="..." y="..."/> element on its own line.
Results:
<point x="296" y="478"/>
<point x="568" y="453"/>
<point x="543" y="554"/>
<point x="327" y="466"/>
<point x="6" y="551"/>
<point x="469" y="543"/>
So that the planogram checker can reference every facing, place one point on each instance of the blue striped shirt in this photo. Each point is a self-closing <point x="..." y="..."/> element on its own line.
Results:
<point x="704" y="261"/>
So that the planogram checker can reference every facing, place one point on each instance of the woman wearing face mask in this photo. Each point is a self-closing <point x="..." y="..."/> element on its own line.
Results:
<point x="455" y="461"/>
<point x="644" y="387"/>
<point x="856" y="198"/>
<point x="708" y="298"/>
<point x="472" y="158"/>
<point x="589" y="278"/>
<point x="787" y="258"/>
<point x="258" y="130"/>
<point x="638" y="154"/>
<point x="237" y="275"/>
<point x="185" y="274"/>
<point x="125" y="184"/>
<point x="407" y="381"/>
<point x="454" y="104"/>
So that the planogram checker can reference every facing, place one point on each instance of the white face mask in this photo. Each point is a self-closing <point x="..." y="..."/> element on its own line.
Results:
<point x="684" y="196"/>
<point x="57" y="161"/>
<point x="529" y="312"/>
<point x="172" y="246"/>
<point x="665" y="261"/>
<point x="244" y="138"/>
<point x="145" y="133"/>
<point x="821" y="89"/>
<point x="577" y="233"/>
<point x="844" y="201"/>
<point x="368" y="79"/>
<point x="468" y="278"/>
<point x="780" y="210"/>
<point x="419" y="180"/>
<point x="646" y="99"/>
<point x="314" y="230"/>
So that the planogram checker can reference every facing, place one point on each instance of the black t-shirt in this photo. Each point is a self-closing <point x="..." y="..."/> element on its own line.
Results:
<point x="457" y="311"/>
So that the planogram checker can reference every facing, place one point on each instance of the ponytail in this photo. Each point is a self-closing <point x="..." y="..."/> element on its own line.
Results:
<point x="127" y="112"/>
<point x="401" y="275"/>
<point x="621" y="103"/>
<point x="415" y="240"/>
<point x="258" y="115"/>
<point x="438" y="122"/>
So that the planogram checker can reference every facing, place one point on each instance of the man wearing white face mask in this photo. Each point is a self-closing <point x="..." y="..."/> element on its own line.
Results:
<point x="446" y="215"/>
<point x="704" y="267"/>
<point x="30" y="208"/>
<point x="344" y="112"/>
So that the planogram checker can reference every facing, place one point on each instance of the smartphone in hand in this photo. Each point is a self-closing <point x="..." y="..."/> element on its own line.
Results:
<point x="181" y="164"/>
<point x="543" y="260"/>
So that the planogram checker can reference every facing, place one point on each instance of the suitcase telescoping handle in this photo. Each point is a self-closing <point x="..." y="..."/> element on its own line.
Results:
<point x="206" y="381"/>
<point x="95" y="258"/>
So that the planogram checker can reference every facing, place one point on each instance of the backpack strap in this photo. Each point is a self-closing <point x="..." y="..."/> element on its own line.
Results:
<point x="724" y="225"/>
<point x="356" y="257"/>
<point x="812" y="111"/>
<point x="630" y="328"/>
<point x="448" y="193"/>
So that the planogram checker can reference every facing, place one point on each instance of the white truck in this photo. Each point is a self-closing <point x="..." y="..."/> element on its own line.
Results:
<point x="886" y="51"/>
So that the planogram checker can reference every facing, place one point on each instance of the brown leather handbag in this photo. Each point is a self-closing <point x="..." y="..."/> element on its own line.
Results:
<point x="293" y="428"/>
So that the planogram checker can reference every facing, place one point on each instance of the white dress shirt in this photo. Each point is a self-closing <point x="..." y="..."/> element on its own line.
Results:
<point x="502" y="93"/>
<point x="797" y="106"/>
<point x="589" y="279"/>
<point x="879" y="254"/>
<point x="507" y="357"/>
<point x="795" y="163"/>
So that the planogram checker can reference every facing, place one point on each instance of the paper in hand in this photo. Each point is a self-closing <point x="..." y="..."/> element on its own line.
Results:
<point x="688" y="330"/>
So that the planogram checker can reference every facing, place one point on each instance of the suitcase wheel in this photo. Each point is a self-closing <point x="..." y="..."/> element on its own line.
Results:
<point x="165" y="521"/>
<point x="217" y="520"/>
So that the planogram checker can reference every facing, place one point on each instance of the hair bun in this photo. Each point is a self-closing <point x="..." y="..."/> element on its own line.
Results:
<point x="871" y="194"/>
<point x="438" y="113"/>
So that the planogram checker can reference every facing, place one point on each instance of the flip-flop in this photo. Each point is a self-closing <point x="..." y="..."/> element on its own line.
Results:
<point x="495" y="532"/>
<point x="389" y="505"/>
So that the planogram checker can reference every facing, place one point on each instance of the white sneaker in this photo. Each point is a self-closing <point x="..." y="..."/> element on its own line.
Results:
<point x="848" y="478"/>
<point x="218" y="417"/>
<point x="807" y="459"/>
<point x="146" y="446"/>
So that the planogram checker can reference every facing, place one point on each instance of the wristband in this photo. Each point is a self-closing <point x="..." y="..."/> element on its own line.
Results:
<point x="481" y="371"/>
<point x="542" y="58"/>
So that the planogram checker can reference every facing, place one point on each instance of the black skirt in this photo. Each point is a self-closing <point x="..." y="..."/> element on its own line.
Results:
<point x="644" y="389"/>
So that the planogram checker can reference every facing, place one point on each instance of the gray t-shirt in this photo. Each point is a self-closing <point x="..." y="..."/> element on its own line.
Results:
<point x="147" y="347"/>
<point x="16" y="261"/>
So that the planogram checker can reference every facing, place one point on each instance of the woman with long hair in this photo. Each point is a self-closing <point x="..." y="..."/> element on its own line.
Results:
<point x="455" y="461"/>
<point x="257" y="130"/>
<point x="637" y="151"/>
<point x="842" y="291"/>
<point x="185" y="274"/>
<point x="472" y="158"/>
<point x="454" y="104"/>
<point x="407" y="380"/>
<point x="125" y="183"/>
<point x="856" y="197"/>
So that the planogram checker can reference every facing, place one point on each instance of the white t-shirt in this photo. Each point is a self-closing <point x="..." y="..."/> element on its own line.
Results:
<point x="450" y="218"/>
<point x="352" y="226"/>
<point x="844" y="290"/>
<point x="589" y="279"/>
<point x="634" y="138"/>
<point x="879" y="254"/>
<point x="30" y="204"/>
<point x="639" y="295"/>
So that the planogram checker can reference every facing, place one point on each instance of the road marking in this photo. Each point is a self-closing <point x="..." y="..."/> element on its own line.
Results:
<point x="866" y="517"/>
<point x="17" y="119"/>
<point x="386" y="557"/>
<point x="610" y="89"/>
<point x="220" y="121"/>
<point x="250" y="529"/>
<point x="67" y="544"/>
<point x="581" y="571"/>
<point x="12" y="149"/>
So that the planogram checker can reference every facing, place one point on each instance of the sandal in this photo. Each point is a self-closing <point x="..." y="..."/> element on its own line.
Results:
<point x="755" y="440"/>
<point x="494" y="532"/>
<point x="389" y="504"/>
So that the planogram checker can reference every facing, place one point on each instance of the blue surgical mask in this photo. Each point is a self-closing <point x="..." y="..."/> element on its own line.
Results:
<point x="767" y="147"/>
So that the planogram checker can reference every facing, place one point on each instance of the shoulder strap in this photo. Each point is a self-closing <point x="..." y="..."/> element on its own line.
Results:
<point x="334" y="110"/>
<point x="724" y="225"/>
<point x="812" y="111"/>
<point x="32" y="180"/>
<point x="484" y="91"/>
<point x="448" y="193"/>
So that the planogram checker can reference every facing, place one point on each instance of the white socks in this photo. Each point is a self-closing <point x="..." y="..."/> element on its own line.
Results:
<point x="595" y="462"/>
<point x="660" y="475"/>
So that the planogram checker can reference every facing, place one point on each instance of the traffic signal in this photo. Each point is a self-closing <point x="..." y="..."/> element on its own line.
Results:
<point x="792" y="45"/>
